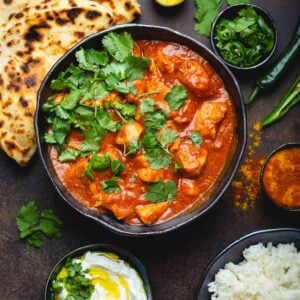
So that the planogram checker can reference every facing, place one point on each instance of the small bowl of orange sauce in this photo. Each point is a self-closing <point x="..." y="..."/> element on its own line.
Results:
<point x="280" y="176"/>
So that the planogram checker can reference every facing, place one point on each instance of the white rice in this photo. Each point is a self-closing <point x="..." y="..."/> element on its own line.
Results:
<point x="266" y="273"/>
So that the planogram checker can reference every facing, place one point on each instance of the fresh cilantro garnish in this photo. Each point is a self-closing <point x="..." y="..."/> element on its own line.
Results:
<point x="90" y="59"/>
<point x="126" y="111"/>
<point x="68" y="154"/>
<point x="155" y="120"/>
<point x="133" y="147"/>
<point x="33" y="224"/>
<point x="111" y="185"/>
<point x="196" y="138"/>
<point x="176" y="97"/>
<point x="161" y="191"/>
<point x="119" y="45"/>
<point x="158" y="158"/>
<point x="135" y="66"/>
<point x="233" y="2"/>
<point x="77" y="285"/>
<point x="206" y="12"/>
<point x="150" y="140"/>
<point x="167" y="137"/>
<point x="97" y="163"/>
<point x="117" y="167"/>
<point x="147" y="105"/>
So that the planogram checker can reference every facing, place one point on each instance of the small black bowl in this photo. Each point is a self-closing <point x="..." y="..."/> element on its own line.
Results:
<point x="123" y="254"/>
<point x="148" y="32"/>
<point x="288" y="145"/>
<point x="233" y="252"/>
<point x="230" y="13"/>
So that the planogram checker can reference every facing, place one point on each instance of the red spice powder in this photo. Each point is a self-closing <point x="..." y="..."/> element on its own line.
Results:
<point x="246" y="187"/>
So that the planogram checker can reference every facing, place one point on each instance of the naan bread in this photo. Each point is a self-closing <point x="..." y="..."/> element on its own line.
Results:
<point x="33" y="35"/>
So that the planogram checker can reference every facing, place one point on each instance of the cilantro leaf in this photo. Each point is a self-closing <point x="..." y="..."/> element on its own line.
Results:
<point x="119" y="45"/>
<point x="49" y="138"/>
<point x="206" y="12"/>
<point x="91" y="59"/>
<point x="135" y="66"/>
<point x="150" y="140"/>
<point x="233" y="2"/>
<point x="69" y="154"/>
<point x="176" y="97"/>
<point x="155" y="120"/>
<point x="32" y="224"/>
<point x="168" y="136"/>
<point x="97" y="163"/>
<point x="117" y="167"/>
<point x="27" y="216"/>
<point x="196" y="138"/>
<point x="111" y="185"/>
<point x="71" y="100"/>
<point x="147" y="105"/>
<point x="60" y="129"/>
<point x="133" y="147"/>
<point x="161" y="191"/>
<point x="158" y="158"/>
<point x="127" y="110"/>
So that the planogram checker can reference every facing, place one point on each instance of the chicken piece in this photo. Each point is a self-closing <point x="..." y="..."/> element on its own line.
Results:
<point x="185" y="113"/>
<point x="193" y="74"/>
<point x="155" y="85"/>
<point x="208" y="116"/>
<point x="189" y="187"/>
<point x="192" y="158"/>
<point x="145" y="172"/>
<point x="121" y="212"/>
<point x="150" y="213"/>
<point x="131" y="131"/>
<point x="140" y="85"/>
<point x="114" y="153"/>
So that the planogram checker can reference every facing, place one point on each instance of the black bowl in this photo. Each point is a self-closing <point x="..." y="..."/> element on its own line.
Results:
<point x="154" y="33"/>
<point x="288" y="145"/>
<point x="230" y="13"/>
<point x="233" y="253"/>
<point x="123" y="254"/>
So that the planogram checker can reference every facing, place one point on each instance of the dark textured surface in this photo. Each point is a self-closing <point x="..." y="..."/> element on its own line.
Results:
<point x="175" y="262"/>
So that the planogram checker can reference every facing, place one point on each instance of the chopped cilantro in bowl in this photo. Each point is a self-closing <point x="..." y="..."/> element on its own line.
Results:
<point x="244" y="36"/>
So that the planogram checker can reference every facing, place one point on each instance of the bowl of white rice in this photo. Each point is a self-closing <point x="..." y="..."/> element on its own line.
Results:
<point x="263" y="265"/>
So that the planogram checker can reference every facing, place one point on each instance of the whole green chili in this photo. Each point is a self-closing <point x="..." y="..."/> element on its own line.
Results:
<point x="289" y="99"/>
<point x="273" y="75"/>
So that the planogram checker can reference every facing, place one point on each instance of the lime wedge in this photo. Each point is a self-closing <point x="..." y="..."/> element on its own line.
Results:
<point x="169" y="2"/>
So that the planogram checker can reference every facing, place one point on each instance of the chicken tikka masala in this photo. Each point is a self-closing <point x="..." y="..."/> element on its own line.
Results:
<point x="142" y="129"/>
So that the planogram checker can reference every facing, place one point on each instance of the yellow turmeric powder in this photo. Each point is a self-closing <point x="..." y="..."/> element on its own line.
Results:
<point x="246" y="187"/>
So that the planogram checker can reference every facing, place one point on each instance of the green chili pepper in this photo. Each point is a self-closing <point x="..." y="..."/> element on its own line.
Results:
<point x="270" y="78"/>
<point x="289" y="99"/>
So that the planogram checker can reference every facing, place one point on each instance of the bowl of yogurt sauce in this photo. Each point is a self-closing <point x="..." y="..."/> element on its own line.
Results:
<point x="98" y="271"/>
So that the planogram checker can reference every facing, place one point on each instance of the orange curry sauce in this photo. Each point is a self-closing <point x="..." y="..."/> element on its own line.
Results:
<point x="281" y="177"/>
<point x="207" y="110"/>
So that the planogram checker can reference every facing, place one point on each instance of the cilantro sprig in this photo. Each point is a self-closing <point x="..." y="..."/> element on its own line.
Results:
<point x="33" y="224"/>
<point x="161" y="191"/>
<point x="176" y="97"/>
<point x="76" y="283"/>
<point x="93" y="77"/>
<point x="206" y="12"/>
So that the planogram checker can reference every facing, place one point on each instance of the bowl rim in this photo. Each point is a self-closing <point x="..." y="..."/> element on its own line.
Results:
<point x="273" y="152"/>
<point x="123" y="254"/>
<point x="245" y="237"/>
<point x="244" y="5"/>
<point x="150" y="231"/>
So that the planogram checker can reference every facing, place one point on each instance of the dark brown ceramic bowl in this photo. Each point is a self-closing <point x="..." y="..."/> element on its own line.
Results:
<point x="123" y="254"/>
<point x="230" y="13"/>
<point x="234" y="252"/>
<point x="152" y="33"/>
<point x="284" y="146"/>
